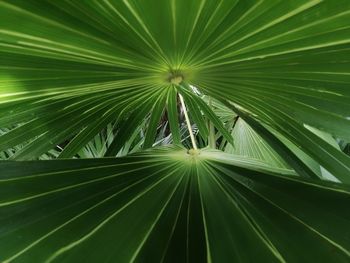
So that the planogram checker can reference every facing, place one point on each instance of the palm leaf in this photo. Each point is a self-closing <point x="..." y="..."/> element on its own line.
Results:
<point x="167" y="205"/>
<point x="69" y="69"/>
<point x="250" y="144"/>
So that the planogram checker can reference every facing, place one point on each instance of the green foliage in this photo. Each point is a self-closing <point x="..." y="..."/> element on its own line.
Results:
<point x="167" y="205"/>
<point x="266" y="82"/>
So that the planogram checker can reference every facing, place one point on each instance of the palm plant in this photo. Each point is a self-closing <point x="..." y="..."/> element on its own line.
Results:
<point x="174" y="131"/>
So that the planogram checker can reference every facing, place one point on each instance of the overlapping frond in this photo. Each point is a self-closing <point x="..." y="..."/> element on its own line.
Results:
<point x="72" y="70"/>
<point x="81" y="65"/>
<point x="167" y="205"/>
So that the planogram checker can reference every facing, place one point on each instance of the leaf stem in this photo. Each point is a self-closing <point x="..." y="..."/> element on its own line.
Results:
<point x="188" y="122"/>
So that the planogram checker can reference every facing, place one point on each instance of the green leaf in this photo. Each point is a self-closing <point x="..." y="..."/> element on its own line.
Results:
<point x="195" y="113"/>
<point x="154" y="120"/>
<point x="285" y="152"/>
<point x="64" y="63"/>
<point x="173" y="115"/>
<point x="251" y="145"/>
<point x="129" y="124"/>
<point x="184" y="207"/>
<point x="70" y="68"/>
<point x="208" y="112"/>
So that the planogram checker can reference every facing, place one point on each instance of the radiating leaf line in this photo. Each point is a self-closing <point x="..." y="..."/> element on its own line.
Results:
<point x="67" y="188"/>
<point x="127" y="22"/>
<point x="268" y="55"/>
<point x="189" y="38"/>
<point x="328" y="19"/>
<point x="234" y="24"/>
<point x="46" y="41"/>
<point x="262" y="236"/>
<point x="209" y="258"/>
<point x="137" y="251"/>
<point x="52" y="22"/>
<point x="74" y="170"/>
<point x="345" y="251"/>
<point x="72" y="219"/>
<point x="294" y="12"/>
<point x="141" y="22"/>
<point x="99" y="226"/>
<point x="176" y="220"/>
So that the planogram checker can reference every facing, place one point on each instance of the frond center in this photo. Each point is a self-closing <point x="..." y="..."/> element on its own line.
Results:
<point x="176" y="78"/>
